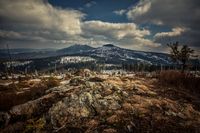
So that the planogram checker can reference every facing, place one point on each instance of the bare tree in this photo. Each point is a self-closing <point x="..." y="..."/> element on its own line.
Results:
<point x="10" y="59"/>
<point x="180" y="55"/>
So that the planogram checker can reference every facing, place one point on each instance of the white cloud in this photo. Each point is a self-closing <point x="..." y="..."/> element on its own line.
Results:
<point x="120" y="12"/>
<point x="175" y="32"/>
<point x="124" y="34"/>
<point x="141" y="8"/>
<point x="113" y="30"/>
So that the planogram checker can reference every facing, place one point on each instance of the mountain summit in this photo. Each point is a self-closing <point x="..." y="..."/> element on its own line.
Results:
<point x="77" y="48"/>
<point x="109" y="45"/>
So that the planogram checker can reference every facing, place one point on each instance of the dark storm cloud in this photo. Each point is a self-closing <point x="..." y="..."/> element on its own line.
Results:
<point x="36" y="23"/>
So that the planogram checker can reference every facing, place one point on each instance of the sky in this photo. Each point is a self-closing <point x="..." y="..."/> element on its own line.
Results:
<point x="146" y="25"/>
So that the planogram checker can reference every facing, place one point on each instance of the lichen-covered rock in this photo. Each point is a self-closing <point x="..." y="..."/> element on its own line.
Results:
<point x="70" y="110"/>
<point x="82" y="105"/>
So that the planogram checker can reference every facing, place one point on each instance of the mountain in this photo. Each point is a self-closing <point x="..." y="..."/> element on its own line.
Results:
<point x="109" y="45"/>
<point x="108" y="53"/>
<point x="22" y="53"/>
<point x="74" y="49"/>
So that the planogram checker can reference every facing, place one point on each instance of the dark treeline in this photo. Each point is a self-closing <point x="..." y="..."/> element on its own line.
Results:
<point x="53" y="66"/>
<point x="138" y="67"/>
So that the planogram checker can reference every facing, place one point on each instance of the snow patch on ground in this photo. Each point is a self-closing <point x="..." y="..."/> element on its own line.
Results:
<point x="17" y="63"/>
<point x="75" y="59"/>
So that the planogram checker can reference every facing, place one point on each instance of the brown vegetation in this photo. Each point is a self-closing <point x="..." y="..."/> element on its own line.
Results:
<point x="52" y="82"/>
<point x="19" y="93"/>
<point x="180" y="80"/>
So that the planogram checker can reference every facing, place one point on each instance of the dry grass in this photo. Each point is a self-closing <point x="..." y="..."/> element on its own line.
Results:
<point x="109" y="130"/>
<point x="113" y="119"/>
<point x="12" y="98"/>
<point x="180" y="80"/>
<point x="24" y="91"/>
<point x="52" y="82"/>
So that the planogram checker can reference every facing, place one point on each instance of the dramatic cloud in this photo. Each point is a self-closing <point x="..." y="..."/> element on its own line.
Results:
<point x="41" y="15"/>
<point x="38" y="24"/>
<point x="124" y="34"/>
<point x="183" y="35"/>
<point x="179" y="13"/>
<point x="170" y="13"/>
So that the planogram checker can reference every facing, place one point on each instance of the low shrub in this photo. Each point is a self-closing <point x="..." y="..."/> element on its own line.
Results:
<point x="180" y="80"/>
